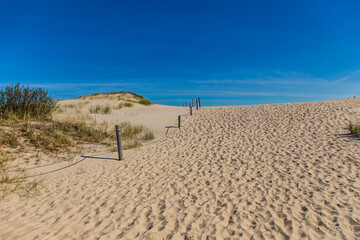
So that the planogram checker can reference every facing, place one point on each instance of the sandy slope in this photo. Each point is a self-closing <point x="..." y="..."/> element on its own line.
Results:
<point x="268" y="171"/>
<point x="154" y="117"/>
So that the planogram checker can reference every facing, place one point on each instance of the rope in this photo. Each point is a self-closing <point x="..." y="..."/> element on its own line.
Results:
<point x="64" y="160"/>
<point x="83" y="152"/>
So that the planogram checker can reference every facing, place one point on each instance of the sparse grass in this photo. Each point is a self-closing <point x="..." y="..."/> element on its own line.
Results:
<point x="130" y="131"/>
<point x="59" y="110"/>
<point x="51" y="136"/>
<point x="9" y="139"/>
<point x="107" y="110"/>
<point x="145" y="102"/>
<point x="354" y="129"/>
<point x="128" y="105"/>
<point x="98" y="109"/>
<point x="122" y="105"/>
<point x="15" y="182"/>
<point x="69" y="106"/>
<point x="148" y="136"/>
<point x="132" y="135"/>
<point x="131" y="143"/>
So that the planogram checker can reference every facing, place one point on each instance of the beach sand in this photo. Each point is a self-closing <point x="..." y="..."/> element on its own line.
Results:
<point x="279" y="171"/>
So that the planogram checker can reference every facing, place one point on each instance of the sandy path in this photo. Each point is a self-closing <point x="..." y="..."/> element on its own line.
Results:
<point x="268" y="171"/>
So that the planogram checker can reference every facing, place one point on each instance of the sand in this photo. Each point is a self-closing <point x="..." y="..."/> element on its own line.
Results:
<point x="282" y="171"/>
<point x="154" y="117"/>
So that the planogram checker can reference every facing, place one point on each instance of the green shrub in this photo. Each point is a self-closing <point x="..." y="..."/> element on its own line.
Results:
<point x="145" y="102"/>
<point x="107" y="110"/>
<point x="99" y="109"/>
<point x="148" y="136"/>
<point x="25" y="102"/>
<point x="129" y="105"/>
<point x="354" y="129"/>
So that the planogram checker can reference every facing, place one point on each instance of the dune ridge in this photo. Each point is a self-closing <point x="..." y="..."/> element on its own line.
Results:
<point x="267" y="171"/>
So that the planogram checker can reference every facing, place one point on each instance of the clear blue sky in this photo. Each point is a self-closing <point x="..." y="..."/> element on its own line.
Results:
<point x="227" y="52"/>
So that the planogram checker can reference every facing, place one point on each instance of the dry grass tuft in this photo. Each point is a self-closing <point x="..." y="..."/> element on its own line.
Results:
<point x="17" y="182"/>
<point x="99" y="109"/>
<point x="50" y="136"/>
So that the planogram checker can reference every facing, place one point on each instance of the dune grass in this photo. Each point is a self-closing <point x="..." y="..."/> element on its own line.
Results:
<point x="132" y="135"/>
<point x="100" y="109"/>
<point x="18" y="101"/>
<point x="49" y="136"/>
<point x="128" y="97"/>
<point x="354" y="129"/>
<point x="26" y="124"/>
<point x="16" y="182"/>
<point x="122" y="105"/>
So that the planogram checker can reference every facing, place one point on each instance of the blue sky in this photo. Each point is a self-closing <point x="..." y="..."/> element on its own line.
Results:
<point x="227" y="52"/>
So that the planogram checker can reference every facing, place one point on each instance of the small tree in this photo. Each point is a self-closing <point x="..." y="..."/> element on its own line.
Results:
<point x="25" y="102"/>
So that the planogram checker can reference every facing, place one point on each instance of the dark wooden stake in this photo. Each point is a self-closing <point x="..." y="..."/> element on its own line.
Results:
<point x="118" y="139"/>
<point x="199" y="103"/>
<point x="186" y="104"/>
<point x="190" y="110"/>
<point x="179" y="121"/>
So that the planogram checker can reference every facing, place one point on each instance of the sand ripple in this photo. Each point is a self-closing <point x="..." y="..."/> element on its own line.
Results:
<point x="262" y="172"/>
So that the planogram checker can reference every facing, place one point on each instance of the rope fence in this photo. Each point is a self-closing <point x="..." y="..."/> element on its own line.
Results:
<point x="119" y="147"/>
<point x="63" y="160"/>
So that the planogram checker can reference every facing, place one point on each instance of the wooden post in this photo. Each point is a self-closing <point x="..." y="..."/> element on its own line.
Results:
<point x="186" y="104"/>
<point x="190" y="110"/>
<point x="199" y="103"/>
<point x="183" y="104"/>
<point x="179" y="121"/>
<point x="118" y="139"/>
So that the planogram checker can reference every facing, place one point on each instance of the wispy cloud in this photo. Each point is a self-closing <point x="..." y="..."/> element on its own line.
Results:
<point x="290" y="79"/>
<point x="231" y="94"/>
<point x="72" y="85"/>
<point x="345" y="78"/>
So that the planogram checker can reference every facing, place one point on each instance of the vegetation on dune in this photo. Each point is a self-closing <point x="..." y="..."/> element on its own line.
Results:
<point x="50" y="136"/>
<point x="122" y="105"/>
<point x="22" y="102"/>
<point x="145" y="102"/>
<point x="132" y="97"/>
<point x="132" y="134"/>
<point x="354" y="129"/>
<point x="26" y="124"/>
<point x="15" y="182"/>
<point x="99" y="109"/>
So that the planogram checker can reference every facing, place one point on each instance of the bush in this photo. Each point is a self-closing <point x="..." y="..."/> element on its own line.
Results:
<point x="129" y="105"/>
<point x="145" y="102"/>
<point x="23" y="103"/>
<point x="354" y="129"/>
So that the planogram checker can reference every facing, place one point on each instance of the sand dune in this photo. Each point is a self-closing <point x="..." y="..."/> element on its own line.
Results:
<point x="247" y="172"/>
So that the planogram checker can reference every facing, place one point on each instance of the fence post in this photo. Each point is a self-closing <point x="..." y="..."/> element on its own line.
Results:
<point x="179" y="121"/>
<point x="199" y="103"/>
<point x="190" y="110"/>
<point x="118" y="139"/>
